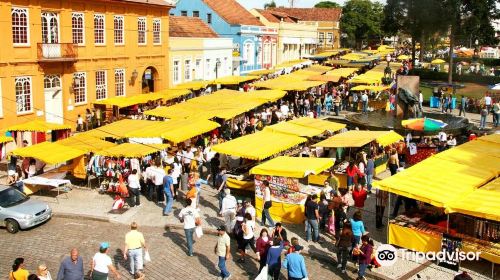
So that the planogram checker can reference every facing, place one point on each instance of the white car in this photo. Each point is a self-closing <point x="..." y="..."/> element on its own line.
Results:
<point x="19" y="211"/>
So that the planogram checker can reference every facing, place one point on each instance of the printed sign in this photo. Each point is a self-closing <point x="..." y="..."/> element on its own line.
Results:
<point x="284" y="189"/>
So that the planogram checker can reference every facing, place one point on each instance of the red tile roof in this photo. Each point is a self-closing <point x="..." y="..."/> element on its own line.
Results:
<point x="276" y="17"/>
<point x="312" y="14"/>
<point x="190" y="27"/>
<point x="232" y="12"/>
<point x="150" y="2"/>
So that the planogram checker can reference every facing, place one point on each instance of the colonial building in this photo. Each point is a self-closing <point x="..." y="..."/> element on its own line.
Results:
<point x="197" y="52"/>
<point x="295" y="40"/>
<point x="326" y="19"/>
<point x="59" y="57"/>
<point x="254" y="45"/>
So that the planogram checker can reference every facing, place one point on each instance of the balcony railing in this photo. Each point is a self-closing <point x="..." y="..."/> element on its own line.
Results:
<point x="57" y="52"/>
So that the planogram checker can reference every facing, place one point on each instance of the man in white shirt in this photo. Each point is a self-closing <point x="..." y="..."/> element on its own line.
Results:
<point x="487" y="102"/>
<point x="187" y="156"/>
<point x="134" y="187"/>
<point x="189" y="216"/>
<point x="229" y="204"/>
<point x="420" y="101"/>
<point x="285" y="109"/>
<point x="364" y="101"/>
<point x="157" y="174"/>
<point x="267" y="204"/>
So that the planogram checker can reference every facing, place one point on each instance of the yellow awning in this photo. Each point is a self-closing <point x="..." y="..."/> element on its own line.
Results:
<point x="118" y="129"/>
<point x="294" y="129"/>
<point x="494" y="138"/>
<point x="325" y="78"/>
<point x="319" y="68"/>
<point x="259" y="145"/>
<point x="343" y="72"/>
<point x="359" y="138"/>
<point x="370" y="88"/>
<point x="234" y="80"/>
<point x="262" y="72"/>
<point x="38" y="126"/>
<point x="176" y="131"/>
<point x="295" y="167"/>
<point x="50" y="153"/>
<point x="318" y="123"/>
<point x="483" y="202"/>
<point x="438" y="61"/>
<point x="5" y="139"/>
<point x="194" y="85"/>
<point x="86" y="143"/>
<point x="132" y="150"/>
<point x="122" y="102"/>
<point x="403" y="57"/>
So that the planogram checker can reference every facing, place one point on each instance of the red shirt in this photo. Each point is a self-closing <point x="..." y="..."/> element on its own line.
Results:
<point x="359" y="197"/>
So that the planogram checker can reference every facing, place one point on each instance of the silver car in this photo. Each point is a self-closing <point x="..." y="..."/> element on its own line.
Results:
<point x="19" y="211"/>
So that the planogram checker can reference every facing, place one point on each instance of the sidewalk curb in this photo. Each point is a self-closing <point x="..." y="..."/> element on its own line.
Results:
<point x="80" y="217"/>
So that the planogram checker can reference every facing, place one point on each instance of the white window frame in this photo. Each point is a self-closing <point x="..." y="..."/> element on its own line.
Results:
<point x="157" y="31"/>
<point x="198" y="68"/>
<point x="188" y="70"/>
<point x="143" y="21"/>
<point x="82" y="17"/>
<point x="176" y="71"/>
<point x="122" y="30"/>
<point x="99" y="88"/>
<point x="1" y="102"/>
<point x="26" y="12"/>
<point x="103" y="17"/>
<point x="321" y="37"/>
<point x="249" y="52"/>
<point x="21" y="80"/>
<point x="208" y="71"/>
<point x="82" y="76"/>
<point x="329" y="38"/>
<point x="121" y="84"/>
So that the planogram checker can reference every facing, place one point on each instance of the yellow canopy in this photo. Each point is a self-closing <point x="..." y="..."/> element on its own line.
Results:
<point x="494" y="138"/>
<point x="319" y="68"/>
<point x="403" y="57"/>
<point x="132" y="150"/>
<point x="176" y="131"/>
<point x="370" y="88"/>
<point x="294" y="129"/>
<point x="38" y="126"/>
<point x="234" y="80"/>
<point x="354" y="56"/>
<point x="86" y="143"/>
<point x="193" y="85"/>
<point x="262" y="72"/>
<point x="5" y="139"/>
<point x="118" y="129"/>
<point x="326" y="54"/>
<point x="343" y="72"/>
<point x="483" y="202"/>
<point x="318" y="124"/>
<point x="438" y="61"/>
<point x="295" y="167"/>
<point x="291" y="63"/>
<point x="49" y="152"/>
<point x="462" y="154"/>
<point x="359" y="138"/>
<point x="324" y="78"/>
<point x="259" y="145"/>
<point x="123" y="102"/>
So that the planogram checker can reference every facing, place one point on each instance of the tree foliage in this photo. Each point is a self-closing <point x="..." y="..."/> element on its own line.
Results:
<point x="271" y="4"/>
<point x="361" y="21"/>
<point x="327" y="4"/>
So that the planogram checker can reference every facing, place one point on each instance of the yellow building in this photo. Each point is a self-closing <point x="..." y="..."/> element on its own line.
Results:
<point x="295" y="39"/>
<point x="59" y="57"/>
<point x="327" y="21"/>
<point x="197" y="52"/>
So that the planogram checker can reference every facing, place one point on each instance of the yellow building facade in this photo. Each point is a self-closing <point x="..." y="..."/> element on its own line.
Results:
<point x="58" y="57"/>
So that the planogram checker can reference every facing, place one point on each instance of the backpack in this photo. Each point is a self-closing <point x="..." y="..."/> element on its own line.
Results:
<point x="238" y="230"/>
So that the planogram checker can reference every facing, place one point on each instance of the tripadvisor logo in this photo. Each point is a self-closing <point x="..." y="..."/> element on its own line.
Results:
<point x="386" y="255"/>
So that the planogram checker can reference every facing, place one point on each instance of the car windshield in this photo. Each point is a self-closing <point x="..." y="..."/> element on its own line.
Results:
<point x="11" y="197"/>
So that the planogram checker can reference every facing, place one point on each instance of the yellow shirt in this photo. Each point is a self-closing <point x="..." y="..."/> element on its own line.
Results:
<point x="134" y="239"/>
<point x="20" y="274"/>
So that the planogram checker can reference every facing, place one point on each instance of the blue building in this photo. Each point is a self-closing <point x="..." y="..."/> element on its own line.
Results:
<point x="254" y="45"/>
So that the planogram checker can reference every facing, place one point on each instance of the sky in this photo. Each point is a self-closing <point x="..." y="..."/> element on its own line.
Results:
<point x="249" y="4"/>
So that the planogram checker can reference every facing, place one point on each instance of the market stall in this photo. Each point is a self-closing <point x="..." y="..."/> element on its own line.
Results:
<point x="38" y="131"/>
<point x="460" y="202"/>
<point x="287" y="177"/>
<point x="351" y="143"/>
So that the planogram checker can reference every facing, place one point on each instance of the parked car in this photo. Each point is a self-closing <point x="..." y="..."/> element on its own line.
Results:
<point x="19" y="211"/>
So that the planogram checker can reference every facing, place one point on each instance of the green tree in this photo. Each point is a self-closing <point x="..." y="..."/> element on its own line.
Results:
<point x="361" y="21"/>
<point x="271" y="4"/>
<point x="327" y="4"/>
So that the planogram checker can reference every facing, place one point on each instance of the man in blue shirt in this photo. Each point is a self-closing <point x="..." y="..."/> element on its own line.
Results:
<point x="71" y="267"/>
<point x="295" y="264"/>
<point x="168" y="187"/>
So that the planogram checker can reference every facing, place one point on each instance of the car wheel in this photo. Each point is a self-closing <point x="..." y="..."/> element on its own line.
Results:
<point x="12" y="226"/>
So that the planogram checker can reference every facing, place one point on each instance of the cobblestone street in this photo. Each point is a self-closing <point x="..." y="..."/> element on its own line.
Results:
<point x="52" y="241"/>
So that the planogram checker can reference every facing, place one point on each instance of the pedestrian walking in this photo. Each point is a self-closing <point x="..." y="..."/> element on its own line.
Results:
<point x="358" y="227"/>
<point x="248" y="227"/>
<point x="369" y="171"/>
<point x="222" y="250"/>
<point x="191" y="218"/>
<point x="228" y="210"/>
<point x="168" y="190"/>
<point x="364" y="256"/>
<point x="220" y="184"/>
<point x="484" y="115"/>
<point x="157" y="174"/>
<point x="102" y="264"/>
<point x="463" y="106"/>
<point x="359" y="196"/>
<point x="344" y="241"/>
<point x="267" y="205"/>
<point x="43" y="272"/>
<point x="295" y="264"/>
<point x="71" y="267"/>
<point x="18" y="271"/>
<point x="263" y="243"/>
<point x="496" y="113"/>
<point x="134" y="187"/>
<point x="274" y="259"/>
<point x="134" y="246"/>
<point x="381" y="199"/>
<point x="312" y="218"/>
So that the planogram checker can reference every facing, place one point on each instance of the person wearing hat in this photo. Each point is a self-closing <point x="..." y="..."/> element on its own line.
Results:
<point x="102" y="264"/>
<point x="295" y="264"/>
<point x="222" y="250"/>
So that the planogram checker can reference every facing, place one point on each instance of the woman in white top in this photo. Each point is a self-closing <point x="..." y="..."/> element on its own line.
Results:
<point x="248" y="227"/>
<point x="43" y="273"/>
<point x="176" y="173"/>
<point x="101" y="264"/>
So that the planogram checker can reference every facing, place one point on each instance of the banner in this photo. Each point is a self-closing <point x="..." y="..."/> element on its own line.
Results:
<point x="449" y="245"/>
<point x="284" y="189"/>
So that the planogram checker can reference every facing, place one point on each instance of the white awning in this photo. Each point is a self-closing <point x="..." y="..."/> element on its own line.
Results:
<point x="290" y="40"/>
